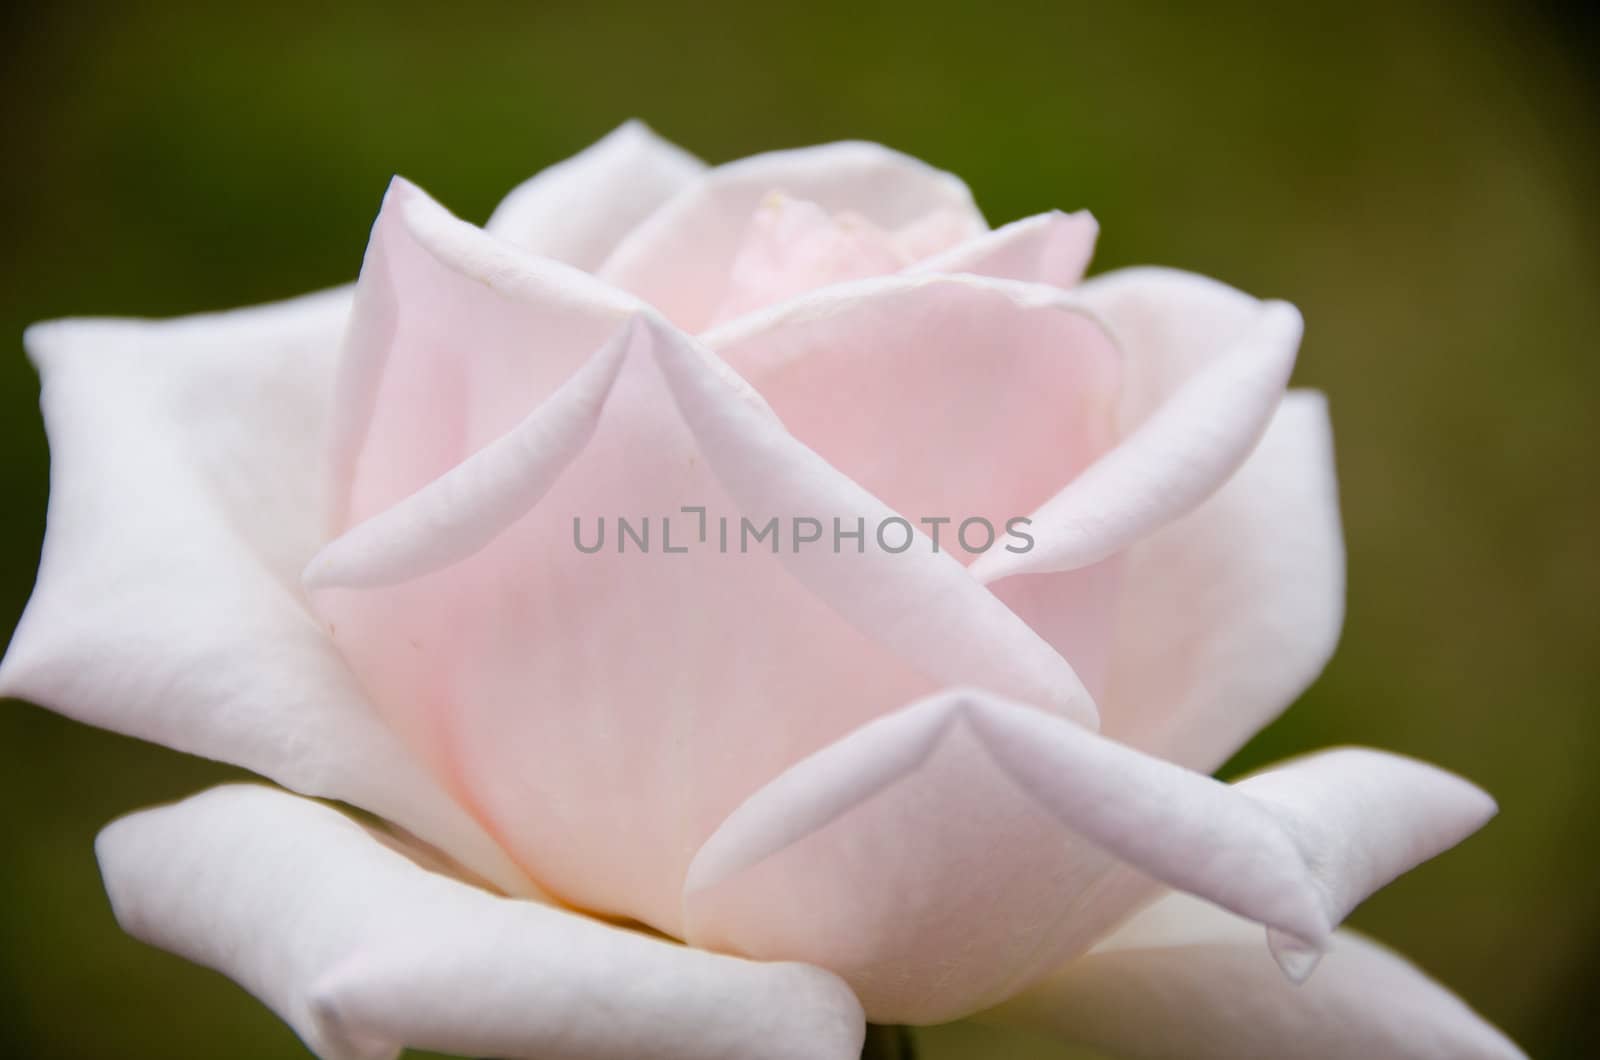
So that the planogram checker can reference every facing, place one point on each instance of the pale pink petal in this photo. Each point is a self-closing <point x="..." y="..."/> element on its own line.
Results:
<point x="921" y="604"/>
<point x="934" y="232"/>
<point x="636" y="696"/>
<point x="792" y="246"/>
<point x="188" y="488"/>
<point x="1052" y="248"/>
<point x="1184" y="978"/>
<point x="364" y="952"/>
<point x="1205" y="367"/>
<point x="434" y="368"/>
<point x="577" y="211"/>
<point x="680" y="259"/>
<point x="1075" y="611"/>
<point x="941" y="856"/>
<point x="944" y="395"/>
<point x="459" y="513"/>
<point x="1225" y="616"/>
<point x="963" y="402"/>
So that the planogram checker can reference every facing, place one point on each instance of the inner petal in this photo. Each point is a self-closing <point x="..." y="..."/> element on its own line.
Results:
<point x="793" y="245"/>
<point x="679" y="259"/>
<point x="963" y="403"/>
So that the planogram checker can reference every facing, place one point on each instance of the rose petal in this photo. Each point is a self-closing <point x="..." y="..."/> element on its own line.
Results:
<point x="1205" y="366"/>
<point x="953" y="398"/>
<point x="577" y="211"/>
<point x="1184" y="978"/>
<point x="767" y="471"/>
<point x="364" y="952"/>
<point x="792" y="246"/>
<point x="1361" y="818"/>
<point x="434" y="367"/>
<point x="187" y="492"/>
<point x="609" y="688"/>
<point x="680" y="259"/>
<point x="1225" y="616"/>
<point x="1052" y="248"/>
<point x="944" y="395"/>
<point x="939" y="856"/>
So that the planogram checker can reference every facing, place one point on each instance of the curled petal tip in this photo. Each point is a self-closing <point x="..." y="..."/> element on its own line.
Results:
<point x="322" y="572"/>
<point x="1296" y="957"/>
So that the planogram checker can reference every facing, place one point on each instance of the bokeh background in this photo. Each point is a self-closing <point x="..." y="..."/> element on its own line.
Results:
<point x="1421" y="181"/>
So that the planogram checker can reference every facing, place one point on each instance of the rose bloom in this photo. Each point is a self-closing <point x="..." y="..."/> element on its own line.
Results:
<point x="729" y="802"/>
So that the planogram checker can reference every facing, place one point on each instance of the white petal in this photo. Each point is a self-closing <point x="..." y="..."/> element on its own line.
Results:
<point x="576" y="211"/>
<point x="1294" y="849"/>
<point x="1226" y="615"/>
<point x="188" y="488"/>
<point x="364" y="952"/>
<point x="1205" y="367"/>
<point x="1362" y="818"/>
<point x="1184" y="978"/>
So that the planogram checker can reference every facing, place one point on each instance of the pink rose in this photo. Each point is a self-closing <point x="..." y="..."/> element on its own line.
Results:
<point x="350" y="543"/>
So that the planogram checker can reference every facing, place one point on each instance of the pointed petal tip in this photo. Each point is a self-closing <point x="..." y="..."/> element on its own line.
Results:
<point x="1473" y="806"/>
<point x="323" y="572"/>
<point x="1296" y="957"/>
<point x="13" y="664"/>
<point x="401" y="189"/>
<point x="45" y="340"/>
<point x="1083" y="217"/>
<point x="993" y="566"/>
<point x="634" y="129"/>
<point x="639" y="133"/>
<point x="40" y="336"/>
<point x="1284" y="322"/>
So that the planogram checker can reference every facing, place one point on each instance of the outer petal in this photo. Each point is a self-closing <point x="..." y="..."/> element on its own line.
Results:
<point x="1052" y="248"/>
<point x="1184" y="978"/>
<point x="578" y="210"/>
<point x="611" y="687"/>
<point x="1225" y="616"/>
<point x="1205" y="367"/>
<point x="363" y="952"/>
<point x="188" y="487"/>
<point x="679" y="260"/>
<point x="1361" y="818"/>
<point x="939" y="857"/>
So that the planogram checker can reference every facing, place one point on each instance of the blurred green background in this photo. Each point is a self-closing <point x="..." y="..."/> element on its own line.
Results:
<point x="1421" y="181"/>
